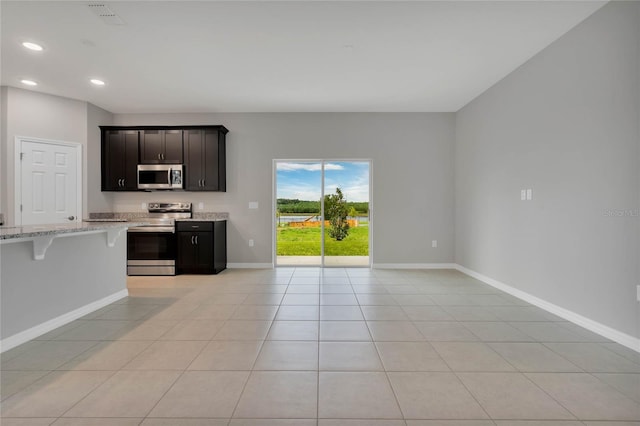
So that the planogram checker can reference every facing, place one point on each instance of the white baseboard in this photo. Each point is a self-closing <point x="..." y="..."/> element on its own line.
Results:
<point x="250" y="265"/>
<point x="414" y="266"/>
<point x="40" y="329"/>
<point x="591" y="325"/>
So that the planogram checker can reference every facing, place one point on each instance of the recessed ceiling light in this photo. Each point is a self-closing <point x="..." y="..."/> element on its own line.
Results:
<point x="28" y="82"/>
<point x="32" y="46"/>
<point x="97" y="82"/>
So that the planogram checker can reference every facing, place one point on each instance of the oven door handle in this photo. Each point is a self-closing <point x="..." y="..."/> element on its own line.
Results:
<point x="157" y="229"/>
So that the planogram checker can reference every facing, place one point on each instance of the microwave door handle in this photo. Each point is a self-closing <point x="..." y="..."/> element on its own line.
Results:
<point x="169" y="176"/>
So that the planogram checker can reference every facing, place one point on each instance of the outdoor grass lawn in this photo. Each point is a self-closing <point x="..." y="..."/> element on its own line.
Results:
<point x="306" y="242"/>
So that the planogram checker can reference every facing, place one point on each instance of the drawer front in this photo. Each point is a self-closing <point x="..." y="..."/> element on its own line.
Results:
<point x="194" y="226"/>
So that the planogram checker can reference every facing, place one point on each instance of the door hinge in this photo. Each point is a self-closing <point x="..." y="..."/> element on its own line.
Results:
<point x="20" y="207"/>
<point x="21" y="156"/>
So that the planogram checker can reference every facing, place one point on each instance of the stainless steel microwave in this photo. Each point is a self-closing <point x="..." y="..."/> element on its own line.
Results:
<point x="160" y="176"/>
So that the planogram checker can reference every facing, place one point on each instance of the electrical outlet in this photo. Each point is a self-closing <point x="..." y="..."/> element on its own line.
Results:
<point x="529" y="194"/>
<point x="253" y="205"/>
<point x="638" y="293"/>
<point x="523" y="194"/>
<point x="200" y="205"/>
<point x="250" y="243"/>
<point x="144" y="206"/>
<point x="434" y="243"/>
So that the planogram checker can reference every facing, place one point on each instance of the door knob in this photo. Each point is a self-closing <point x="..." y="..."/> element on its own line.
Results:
<point x="71" y="217"/>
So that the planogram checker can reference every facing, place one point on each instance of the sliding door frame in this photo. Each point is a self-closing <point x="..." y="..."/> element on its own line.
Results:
<point x="274" y="207"/>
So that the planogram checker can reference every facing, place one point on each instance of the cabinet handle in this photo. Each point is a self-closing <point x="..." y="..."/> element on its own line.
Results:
<point x="158" y="156"/>
<point x="123" y="181"/>
<point x="162" y="155"/>
<point x="192" y="239"/>
<point x="196" y="240"/>
<point x="203" y="182"/>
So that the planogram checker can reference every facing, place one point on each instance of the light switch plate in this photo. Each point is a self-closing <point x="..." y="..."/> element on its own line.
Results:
<point x="434" y="243"/>
<point x="253" y="204"/>
<point x="529" y="194"/>
<point x="250" y="243"/>
<point x="638" y="293"/>
<point x="523" y="194"/>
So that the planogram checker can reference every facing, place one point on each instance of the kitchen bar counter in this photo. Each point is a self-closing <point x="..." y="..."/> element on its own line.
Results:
<point x="49" y="281"/>
<point x="31" y="231"/>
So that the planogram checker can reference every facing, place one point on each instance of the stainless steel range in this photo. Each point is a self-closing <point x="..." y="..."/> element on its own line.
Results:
<point x="151" y="248"/>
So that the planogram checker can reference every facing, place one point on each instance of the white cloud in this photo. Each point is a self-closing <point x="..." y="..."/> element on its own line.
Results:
<point x="309" y="167"/>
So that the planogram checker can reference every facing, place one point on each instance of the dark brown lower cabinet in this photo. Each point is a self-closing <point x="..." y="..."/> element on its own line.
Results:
<point x="202" y="247"/>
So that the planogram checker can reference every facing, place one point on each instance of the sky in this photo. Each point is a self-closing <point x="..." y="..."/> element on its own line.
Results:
<point x="302" y="180"/>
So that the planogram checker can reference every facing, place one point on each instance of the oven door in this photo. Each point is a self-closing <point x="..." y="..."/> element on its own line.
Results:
<point x="151" y="253"/>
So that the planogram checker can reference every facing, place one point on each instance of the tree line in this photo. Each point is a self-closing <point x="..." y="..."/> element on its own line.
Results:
<point x="286" y="205"/>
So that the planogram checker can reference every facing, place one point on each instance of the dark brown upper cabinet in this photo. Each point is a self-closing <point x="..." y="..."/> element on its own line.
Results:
<point x="119" y="160"/>
<point x="161" y="147"/>
<point x="205" y="160"/>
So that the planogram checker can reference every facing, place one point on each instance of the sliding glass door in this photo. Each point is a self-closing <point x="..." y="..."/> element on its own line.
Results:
<point x="322" y="212"/>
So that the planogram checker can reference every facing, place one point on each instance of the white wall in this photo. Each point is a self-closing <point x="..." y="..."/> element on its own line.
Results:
<point x="566" y="125"/>
<point x="3" y="150"/>
<point x="412" y="157"/>
<point x="77" y="270"/>
<point x="37" y="115"/>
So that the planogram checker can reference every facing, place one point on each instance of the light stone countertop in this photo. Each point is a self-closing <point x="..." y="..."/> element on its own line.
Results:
<point x="32" y="231"/>
<point x="197" y="216"/>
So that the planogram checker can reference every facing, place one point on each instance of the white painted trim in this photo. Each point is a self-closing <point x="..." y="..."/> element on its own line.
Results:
<point x="414" y="266"/>
<point x="249" y="265"/>
<point x="17" y="171"/>
<point x="40" y="329"/>
<point x="624" y="339"/>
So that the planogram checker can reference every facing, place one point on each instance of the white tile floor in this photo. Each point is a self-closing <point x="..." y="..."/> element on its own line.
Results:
<point x="333" y="347"/>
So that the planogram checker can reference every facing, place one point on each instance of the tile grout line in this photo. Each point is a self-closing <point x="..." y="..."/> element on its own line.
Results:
<point x="244" y="386"/>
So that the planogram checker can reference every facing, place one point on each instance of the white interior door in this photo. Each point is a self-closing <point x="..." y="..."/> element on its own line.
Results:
<point x="50" y="176"/>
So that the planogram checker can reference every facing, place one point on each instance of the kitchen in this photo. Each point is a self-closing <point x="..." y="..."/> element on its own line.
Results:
<point x="282" y="340"/>
<point x="166" y="240"/>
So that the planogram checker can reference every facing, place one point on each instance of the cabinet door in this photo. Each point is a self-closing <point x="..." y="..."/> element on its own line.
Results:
<point x="193" y="160"/>
<point x="120" y="160"/>
<point x="130" y="182"/>
<point x="186" y="252"/>
<point x="151" y="146"/>
<point x="113" y="154"/>
<point x="204" y="247"/>
<point x="172" y="153"/>
<point x="211" y="158"/>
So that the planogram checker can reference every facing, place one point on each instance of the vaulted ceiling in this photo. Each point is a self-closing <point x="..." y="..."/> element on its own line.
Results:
<point x="212" y="56"/>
